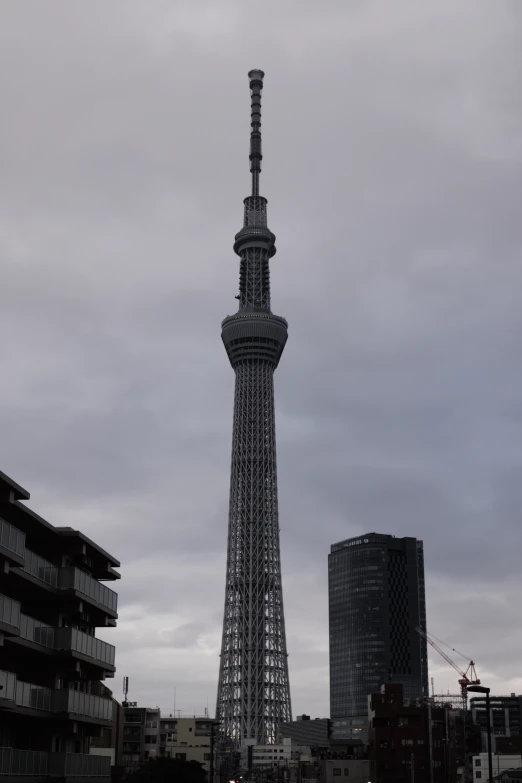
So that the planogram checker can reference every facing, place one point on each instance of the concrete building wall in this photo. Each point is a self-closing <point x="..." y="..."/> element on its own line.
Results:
<point x="344" y="771"/>
<point x="189" y="739"/>
<point x="501" y="763"/>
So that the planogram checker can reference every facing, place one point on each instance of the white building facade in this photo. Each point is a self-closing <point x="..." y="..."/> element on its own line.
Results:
<point x="501" y="763"/>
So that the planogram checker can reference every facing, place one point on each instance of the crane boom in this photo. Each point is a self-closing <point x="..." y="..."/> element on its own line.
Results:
<point x="441" y="652"/>
<point x="469" y="677"/>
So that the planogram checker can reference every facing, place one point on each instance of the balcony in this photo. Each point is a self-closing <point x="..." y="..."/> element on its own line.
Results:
<point x="8" y="685"/>
<point x="9" y="615"/>
<point x="12" y="539"/>
<point x="37" y="632"/>
<point x="74" y="578"/>
<point x="78" y="703"/>
<point x="37" y="697"/>
<point x="40" y="568"/>
<point x="79" y="765"/>
<point x="32" y="763"/>
<point x="34" y="697"/>
<point x="66" y="639"/>
<point x="85" y="644"/>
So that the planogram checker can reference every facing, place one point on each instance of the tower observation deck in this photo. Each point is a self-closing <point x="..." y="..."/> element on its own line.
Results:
<point x="253" y="689"/>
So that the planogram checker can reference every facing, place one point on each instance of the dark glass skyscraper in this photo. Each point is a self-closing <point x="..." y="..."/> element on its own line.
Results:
<point x="253" y="690"/>
<point x="376" y="597"/>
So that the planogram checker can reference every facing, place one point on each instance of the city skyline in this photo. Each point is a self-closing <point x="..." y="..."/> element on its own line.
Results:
<point x="392" y="146"/>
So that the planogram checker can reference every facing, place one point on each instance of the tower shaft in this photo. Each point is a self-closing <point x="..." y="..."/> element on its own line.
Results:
<point x="253" y="690"/>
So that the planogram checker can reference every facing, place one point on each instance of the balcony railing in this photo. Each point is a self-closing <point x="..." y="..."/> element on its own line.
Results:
<point x="40" y="568"/>
<point x="23" y="762"/>
<point x="37" y="697"/>
<point x="33" y="763"/>
<point x="9" y="611"/>
<point x="11" y="538"/>
<point x="87" y="704"/>
<point x="36" y="631"/>
<point x="84" y="643"/>
<point x="8" y="683"/>
<point x="65" y="639"/>
<point x="81" y="581"/>
<point x="79" y="765"/>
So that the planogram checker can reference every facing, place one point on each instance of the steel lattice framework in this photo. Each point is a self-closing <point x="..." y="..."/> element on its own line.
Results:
<point x="253" y="691"/>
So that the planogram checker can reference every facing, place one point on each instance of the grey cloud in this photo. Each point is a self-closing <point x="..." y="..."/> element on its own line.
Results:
<point x="392" y="168"/>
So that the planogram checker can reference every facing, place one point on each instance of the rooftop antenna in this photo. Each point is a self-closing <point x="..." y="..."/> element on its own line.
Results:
<point x="125" y="691"/>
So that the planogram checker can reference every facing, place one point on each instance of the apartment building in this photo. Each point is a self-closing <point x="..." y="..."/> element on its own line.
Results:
<point x="141" y="730"/>
<point x="188" y="739"/>
<point x="501" y="763"/>
<point x="53" y="703"/>
<point x="409" y="740"/>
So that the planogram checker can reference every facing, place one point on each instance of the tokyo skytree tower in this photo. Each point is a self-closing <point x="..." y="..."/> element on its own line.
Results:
<point x="253" y="690"/>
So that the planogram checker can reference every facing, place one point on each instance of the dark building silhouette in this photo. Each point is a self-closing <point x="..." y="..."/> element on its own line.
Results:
<point x="411" y="740"/>
<point x="376" y="598"/>
<point x="141" y="734"/>
<point x="303" y="731"/>
<point x="52" y="701"/>
<point x="253" y="689"/>
<point x="506" y="717"/>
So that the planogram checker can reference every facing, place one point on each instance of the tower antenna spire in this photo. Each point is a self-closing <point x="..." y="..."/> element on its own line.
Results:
<point x="256" y="85"/>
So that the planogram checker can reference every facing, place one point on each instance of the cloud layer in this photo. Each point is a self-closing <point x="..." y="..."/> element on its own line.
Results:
<point x="393" y="159"/>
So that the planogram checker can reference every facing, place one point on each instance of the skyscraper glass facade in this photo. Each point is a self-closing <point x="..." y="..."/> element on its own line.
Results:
<point x="376" y="598"/>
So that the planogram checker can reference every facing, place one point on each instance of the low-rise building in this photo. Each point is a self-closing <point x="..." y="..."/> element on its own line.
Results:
<point x="53" y="704"/>
<point x="141" y="729"/>
<point x="349" y="770"/>
<point x="501" y="763"/>
<point x="303" y="731"/>
<point x="506" y="717"/>
<point x="284" y="759"/>
<point x="188" y="739"/>
<point x="408" y="738"/>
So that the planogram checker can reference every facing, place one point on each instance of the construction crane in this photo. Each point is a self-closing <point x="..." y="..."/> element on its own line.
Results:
<point x="469" y="677"/>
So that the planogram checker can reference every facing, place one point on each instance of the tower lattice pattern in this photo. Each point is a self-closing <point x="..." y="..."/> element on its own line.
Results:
<point x="253" y="691"/>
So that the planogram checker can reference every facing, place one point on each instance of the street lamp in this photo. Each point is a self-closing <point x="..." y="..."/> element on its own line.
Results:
<point x="482" y="689"/>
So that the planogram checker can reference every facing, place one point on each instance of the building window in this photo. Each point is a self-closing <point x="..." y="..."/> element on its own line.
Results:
<point x="478" y="763"/>
<point x="478" y="775"/>
<point x="407" y="742"/>
<point x="206" y="757"/>
<point x="420" y="742"/>
<point x="346" y="772"/>
<point x="337" y="772"/>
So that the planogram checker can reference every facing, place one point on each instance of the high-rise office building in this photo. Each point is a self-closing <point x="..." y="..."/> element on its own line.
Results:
<point x="253" y="690"/>
<point x="376" y="598"/>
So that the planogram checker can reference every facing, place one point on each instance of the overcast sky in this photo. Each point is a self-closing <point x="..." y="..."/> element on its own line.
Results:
<point x="392" y="136"/>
